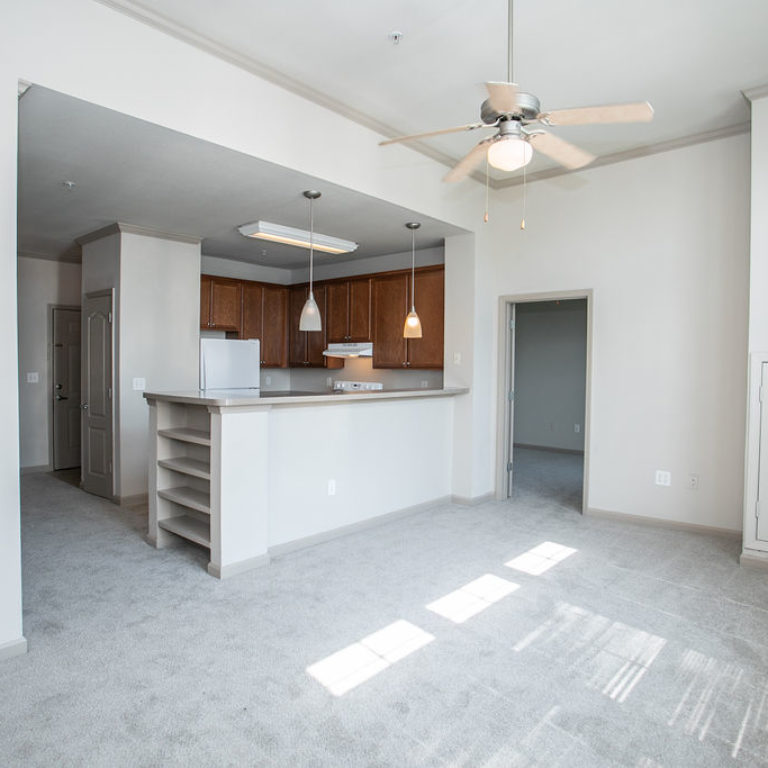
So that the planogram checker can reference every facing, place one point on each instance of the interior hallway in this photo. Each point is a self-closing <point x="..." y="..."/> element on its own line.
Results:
<point x="541" y="475"/>
<point x="498" y="635"/>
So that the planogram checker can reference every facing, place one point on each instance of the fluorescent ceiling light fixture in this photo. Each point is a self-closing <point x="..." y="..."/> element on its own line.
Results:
<point x="277" y="233"/>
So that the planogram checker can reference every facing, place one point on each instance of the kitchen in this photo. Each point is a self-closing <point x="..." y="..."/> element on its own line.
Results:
<point x="364" y="297"/>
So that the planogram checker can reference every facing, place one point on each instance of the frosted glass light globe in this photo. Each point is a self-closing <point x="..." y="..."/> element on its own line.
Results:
<point x="509" y="153"/>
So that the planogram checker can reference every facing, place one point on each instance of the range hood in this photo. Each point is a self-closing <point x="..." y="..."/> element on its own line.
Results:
<point x="350" y="349"/>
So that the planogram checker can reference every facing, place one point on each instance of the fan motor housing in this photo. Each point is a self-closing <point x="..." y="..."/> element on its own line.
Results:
<point x="527" y="107"/>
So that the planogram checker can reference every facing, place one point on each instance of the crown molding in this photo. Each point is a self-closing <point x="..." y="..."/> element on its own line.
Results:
<point x="630" y="154"/>
<point x="758" y="92"/>
<point x="61" y="258"/>
<point x="131" y="229"/>
<point x="163" y="24"/>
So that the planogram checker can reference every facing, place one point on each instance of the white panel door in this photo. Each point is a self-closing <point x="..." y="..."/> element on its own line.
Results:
<point x="97" y="395"/>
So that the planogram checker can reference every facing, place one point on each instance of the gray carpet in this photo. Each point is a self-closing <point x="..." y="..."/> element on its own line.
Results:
<point x="547" y="477"/>
<point x="611" y="645"/>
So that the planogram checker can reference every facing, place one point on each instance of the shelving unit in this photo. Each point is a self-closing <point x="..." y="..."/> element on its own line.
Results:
<point x="181" y="502"/>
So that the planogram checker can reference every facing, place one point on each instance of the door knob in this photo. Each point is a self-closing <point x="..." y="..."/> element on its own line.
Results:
<point x="84" y="406"/>
<point x="61" y="397"/>
<point x="59" y="386"/>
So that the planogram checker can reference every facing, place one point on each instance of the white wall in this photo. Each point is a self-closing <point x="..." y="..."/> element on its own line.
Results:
<point x="550" y="370"/>
<point x="663" y="241"/>
<point x="41" y="284"/>
<point x="158" y="330"/>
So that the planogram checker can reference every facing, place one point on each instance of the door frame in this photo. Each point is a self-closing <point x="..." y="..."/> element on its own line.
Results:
<point x="504" y="430"/>
<point x="49" y="365"/>
<point x="110" y="292"/>
<point x="750" y="543"/>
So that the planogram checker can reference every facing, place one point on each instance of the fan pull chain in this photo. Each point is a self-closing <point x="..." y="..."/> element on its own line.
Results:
<point x="522" y="221"/>
<point x="487" y="173"/>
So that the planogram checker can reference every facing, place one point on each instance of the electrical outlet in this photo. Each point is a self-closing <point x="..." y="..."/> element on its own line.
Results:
<point x="693" y="482"/>
<point x="267" y="380"/>
<point x="329" y="382"/>
<point x="577" y="428"/>
<point x="457" y="358"/>
<point x="331" y="487"/>
<point x="33" y="377"/>
<point x="663" y="477"/>
<point x="140" y="384"/>
<point x="424" y="384"/>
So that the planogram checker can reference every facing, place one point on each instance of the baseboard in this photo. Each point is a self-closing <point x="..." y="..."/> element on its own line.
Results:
<point x="132" y="501"/>
<point x="754" y="560"/>
<point x="233" y="569"/>
<point x="13" y="648"/>
<point x="660" y="522"/>
<point x="33" y="470"/>
<point x="472" y="501"/>
<point x="345" y="530"/>
<point x="579" y="451"/>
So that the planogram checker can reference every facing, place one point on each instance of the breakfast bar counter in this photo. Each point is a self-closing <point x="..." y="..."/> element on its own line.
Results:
<point x="251" y="474"/>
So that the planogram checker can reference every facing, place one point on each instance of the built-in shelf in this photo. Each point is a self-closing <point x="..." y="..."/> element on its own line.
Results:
<point x="188" y="466"/>
<point x="188" y="497"/>
<point x="187" y="435"/>
<point x="189" y="527"/>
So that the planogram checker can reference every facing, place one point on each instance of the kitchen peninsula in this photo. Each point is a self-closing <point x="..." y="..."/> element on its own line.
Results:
<point x="251" y="476"/>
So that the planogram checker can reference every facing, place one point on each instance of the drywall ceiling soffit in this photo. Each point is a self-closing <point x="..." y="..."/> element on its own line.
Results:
<point x="569" y="54"/>
<point x="152" y="178"/>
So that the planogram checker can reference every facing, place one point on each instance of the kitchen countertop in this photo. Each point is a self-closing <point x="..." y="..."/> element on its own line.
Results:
<point x="241" y="398"/>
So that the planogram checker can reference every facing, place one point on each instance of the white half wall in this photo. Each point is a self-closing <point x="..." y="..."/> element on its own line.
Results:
<point x="550" y="373"/>
<point x="41" y="284"/>
<point x="664" y="242"/>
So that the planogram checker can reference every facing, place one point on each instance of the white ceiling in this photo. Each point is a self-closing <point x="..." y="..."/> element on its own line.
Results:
<point x="135" y="172"/>
<point x="689" y="58"/>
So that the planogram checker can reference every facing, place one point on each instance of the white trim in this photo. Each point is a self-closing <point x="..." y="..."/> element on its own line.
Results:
<point x="472" y="501"/>
<point x="35" y="469"/>
<point x="752" y="452"/>
<point x="138" y="499"/>
<point x="660" y="522"/>
<point x="502" y="440"/>
<point x="758" y="92"/>
<point x="120" y="227"/>
<point x="13" y="648"/>
<point x="757" y="561"/>
<point x="233" y="569"/>
<point x="345" y="530"/>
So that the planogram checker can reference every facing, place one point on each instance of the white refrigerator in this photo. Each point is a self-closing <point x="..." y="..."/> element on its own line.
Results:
<point x="230" y="364"/>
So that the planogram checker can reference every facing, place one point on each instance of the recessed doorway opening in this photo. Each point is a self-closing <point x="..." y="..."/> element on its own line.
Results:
<point x="544" y="384"/>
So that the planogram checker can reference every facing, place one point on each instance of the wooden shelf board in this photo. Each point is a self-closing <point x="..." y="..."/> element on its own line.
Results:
<point x="187" y="435"/>
<point x="189" y="528"/>
<point x="188" y="497"/>
<point x="188" y="466"/>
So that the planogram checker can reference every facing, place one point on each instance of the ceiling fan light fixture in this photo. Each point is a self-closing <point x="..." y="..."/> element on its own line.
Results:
<point x="508" y="153"/>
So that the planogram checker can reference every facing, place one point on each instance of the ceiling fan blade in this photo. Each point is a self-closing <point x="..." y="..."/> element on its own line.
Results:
<point x="457" y="129"/>
<point x="502" y="96"/>
<point x="563" y="152"/>
<point x="639" y="112"/>
<point x="468" y="163"/>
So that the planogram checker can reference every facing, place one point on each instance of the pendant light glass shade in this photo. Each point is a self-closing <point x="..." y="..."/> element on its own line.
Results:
<point x="412" y="326"/>
<point x="310" y="314"/>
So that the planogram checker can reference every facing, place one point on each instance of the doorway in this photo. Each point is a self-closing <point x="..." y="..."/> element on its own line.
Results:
<point x="65" y="393"/>
<point x="544" y="384"/>
<point x="97" y="394"/>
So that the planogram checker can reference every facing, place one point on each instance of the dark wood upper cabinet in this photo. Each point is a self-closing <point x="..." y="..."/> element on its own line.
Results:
<point x="390" y="306"/>
<point x="265" y="317"/>
<point x="427" y="352"/>
<point x="391" y="303"/>
<point x="348" y="305"/>
<point x="274" y="342"/>
<point x="226" y="304"/>
<point x="306" y="347"/>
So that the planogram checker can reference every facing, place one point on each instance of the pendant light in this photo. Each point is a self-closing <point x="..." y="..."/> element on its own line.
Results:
<point x="310" y="314"/>
<point x="412" y="327"/>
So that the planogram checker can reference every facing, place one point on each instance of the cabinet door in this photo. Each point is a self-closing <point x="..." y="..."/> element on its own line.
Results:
<point x="226" y="304"/>
<point x="297" y="340"/>
<point x="359" y="310"/>
<point x="390" y="306"/>
<point x="274" y="341"/>
<point x="316" y="339"/>
<point x="205" y="301"/>
<point x="253" y="294"/>
<point x="337" y="311"/>
<point x="427" y="352"/>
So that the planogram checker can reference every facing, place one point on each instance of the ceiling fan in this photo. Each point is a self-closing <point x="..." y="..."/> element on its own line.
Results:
<point x="515" y="114"/>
